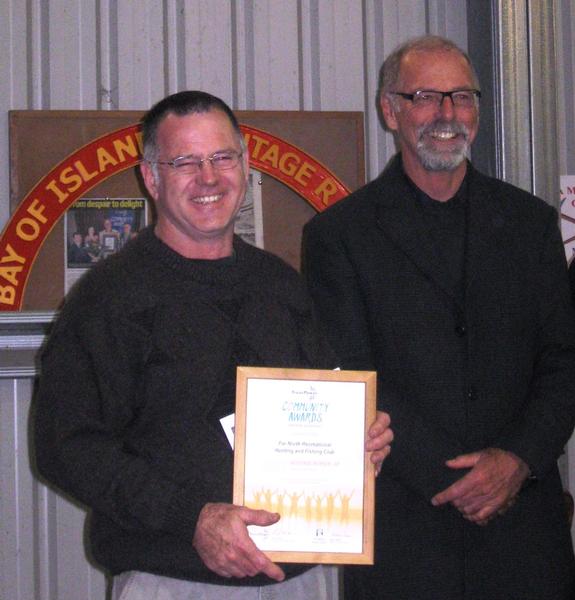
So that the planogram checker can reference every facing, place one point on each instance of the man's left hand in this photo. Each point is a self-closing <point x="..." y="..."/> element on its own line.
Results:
<point x="379" y="439"/>
<point x="489" y="489"/>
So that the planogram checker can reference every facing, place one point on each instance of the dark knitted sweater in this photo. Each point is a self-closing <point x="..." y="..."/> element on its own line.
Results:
<point x="136" y="374"/>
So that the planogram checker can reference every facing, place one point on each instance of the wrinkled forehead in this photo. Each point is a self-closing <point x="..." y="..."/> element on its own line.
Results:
<point x="441" y="69"/>
<point x="180" y="133"/>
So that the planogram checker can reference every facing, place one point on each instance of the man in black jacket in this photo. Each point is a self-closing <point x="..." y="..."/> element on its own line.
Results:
<point x="140" y="370"/>
<point x="453" y="286"/>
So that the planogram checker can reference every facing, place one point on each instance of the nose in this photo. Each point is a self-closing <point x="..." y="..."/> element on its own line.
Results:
<point x="447" y="108"/>
<point x="207" y="173"/>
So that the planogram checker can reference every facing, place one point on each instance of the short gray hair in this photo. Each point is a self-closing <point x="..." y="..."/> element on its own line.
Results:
<point x="390" y="69"/>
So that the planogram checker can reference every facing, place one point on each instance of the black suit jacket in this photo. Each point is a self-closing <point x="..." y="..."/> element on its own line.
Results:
<point x="497" y="371"/>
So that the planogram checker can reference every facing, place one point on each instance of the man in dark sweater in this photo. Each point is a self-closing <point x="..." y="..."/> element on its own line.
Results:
<point x="140" y="369"/>
<point x="77" y="254"/>
<point x="453" y="286"/>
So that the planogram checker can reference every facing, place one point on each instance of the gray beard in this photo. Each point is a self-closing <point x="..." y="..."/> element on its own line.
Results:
<point x="435" y="161"/>
<point x="431" y="159"/>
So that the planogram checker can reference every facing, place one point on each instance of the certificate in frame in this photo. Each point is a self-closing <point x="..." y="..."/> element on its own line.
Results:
<point x="299" y="450"/>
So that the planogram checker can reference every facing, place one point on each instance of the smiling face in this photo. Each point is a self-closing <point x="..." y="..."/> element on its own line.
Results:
<point x="434" y="138"/>
<point x="196" y="213"/>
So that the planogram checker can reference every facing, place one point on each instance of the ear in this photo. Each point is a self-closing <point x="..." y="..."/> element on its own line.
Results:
<point x="388" y="112"/>
<point x="149" y="179"/>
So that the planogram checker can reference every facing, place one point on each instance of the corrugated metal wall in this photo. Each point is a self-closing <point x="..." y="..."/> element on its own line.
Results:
<point x="255" y="54"/>
<point x="126" y="54"/>
<point x="564" y="11"/>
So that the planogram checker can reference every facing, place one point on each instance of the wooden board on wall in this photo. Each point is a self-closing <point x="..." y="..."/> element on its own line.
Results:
<point x="39" y="140"/>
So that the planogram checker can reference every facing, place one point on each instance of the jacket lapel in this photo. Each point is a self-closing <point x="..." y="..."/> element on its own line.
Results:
<point x="488" y="234"/>
<point x="408" y="232"/>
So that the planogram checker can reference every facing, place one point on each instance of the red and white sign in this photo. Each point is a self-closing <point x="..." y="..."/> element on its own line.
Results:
<point x="117" y="151"/>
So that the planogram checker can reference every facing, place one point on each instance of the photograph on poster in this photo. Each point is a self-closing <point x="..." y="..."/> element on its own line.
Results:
<point x="96" y="228"/>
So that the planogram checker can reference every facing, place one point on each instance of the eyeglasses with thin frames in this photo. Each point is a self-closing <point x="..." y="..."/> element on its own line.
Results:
<point x="191" y="165"/>
<point x="427" y="98"/>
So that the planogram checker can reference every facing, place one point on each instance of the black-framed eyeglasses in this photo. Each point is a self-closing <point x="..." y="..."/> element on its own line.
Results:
<point x="190" y="165"/>
<point x="459" y="98"/>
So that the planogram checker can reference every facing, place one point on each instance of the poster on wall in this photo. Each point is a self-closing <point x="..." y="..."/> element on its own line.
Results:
<point x="94" y="156"/>
<point x="96" y="228"/>
<point x="568" y="215"/>
<point x="249" y="220"/>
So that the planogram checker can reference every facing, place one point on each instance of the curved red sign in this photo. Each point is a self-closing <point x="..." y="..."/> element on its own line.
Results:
<point x="117" y="151"/>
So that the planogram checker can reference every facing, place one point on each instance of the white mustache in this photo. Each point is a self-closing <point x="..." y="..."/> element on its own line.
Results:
<point x="441" y="128"/>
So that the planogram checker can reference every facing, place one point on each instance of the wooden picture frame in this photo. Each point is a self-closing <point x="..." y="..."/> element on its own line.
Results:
<point x="299" y="441"/>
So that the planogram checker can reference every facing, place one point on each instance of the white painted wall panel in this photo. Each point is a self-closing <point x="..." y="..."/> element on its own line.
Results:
<point x="141" y="54"/>
<point x="388" y="24"/>
<point x="448" y="18"/>
<point x="243" y="69"/>
<point x="13" y="83"/>
<point x="37" y="71"/>
<point x="565" y="9"/>
<point x="88" y="51"/>
<point x="176" y="20"/>
<point x="206" y="54"/>
<point x="8" y="507"/>
<point x="14" y="45"/>
<point x="379" y="145"/>
<point x="72" y="571"/>
<point x="276" y="58"/>
<point x="341" y="55"/>
<point x="22" y="484"/>
<point x="107" y="57"/>
<point x="309" y="44"/>
<point x="41" y="533"/>
<point x="72" y="54"/>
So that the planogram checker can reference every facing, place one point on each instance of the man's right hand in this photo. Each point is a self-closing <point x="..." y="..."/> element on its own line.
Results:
<point x="489" y="489"/>
<point x="223" y="542"/>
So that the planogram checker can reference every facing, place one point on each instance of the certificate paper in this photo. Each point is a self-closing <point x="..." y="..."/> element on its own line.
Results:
<point x="299" y="451"/>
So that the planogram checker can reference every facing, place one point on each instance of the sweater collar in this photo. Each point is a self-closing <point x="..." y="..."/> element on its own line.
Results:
<point x="227" y="270"/>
